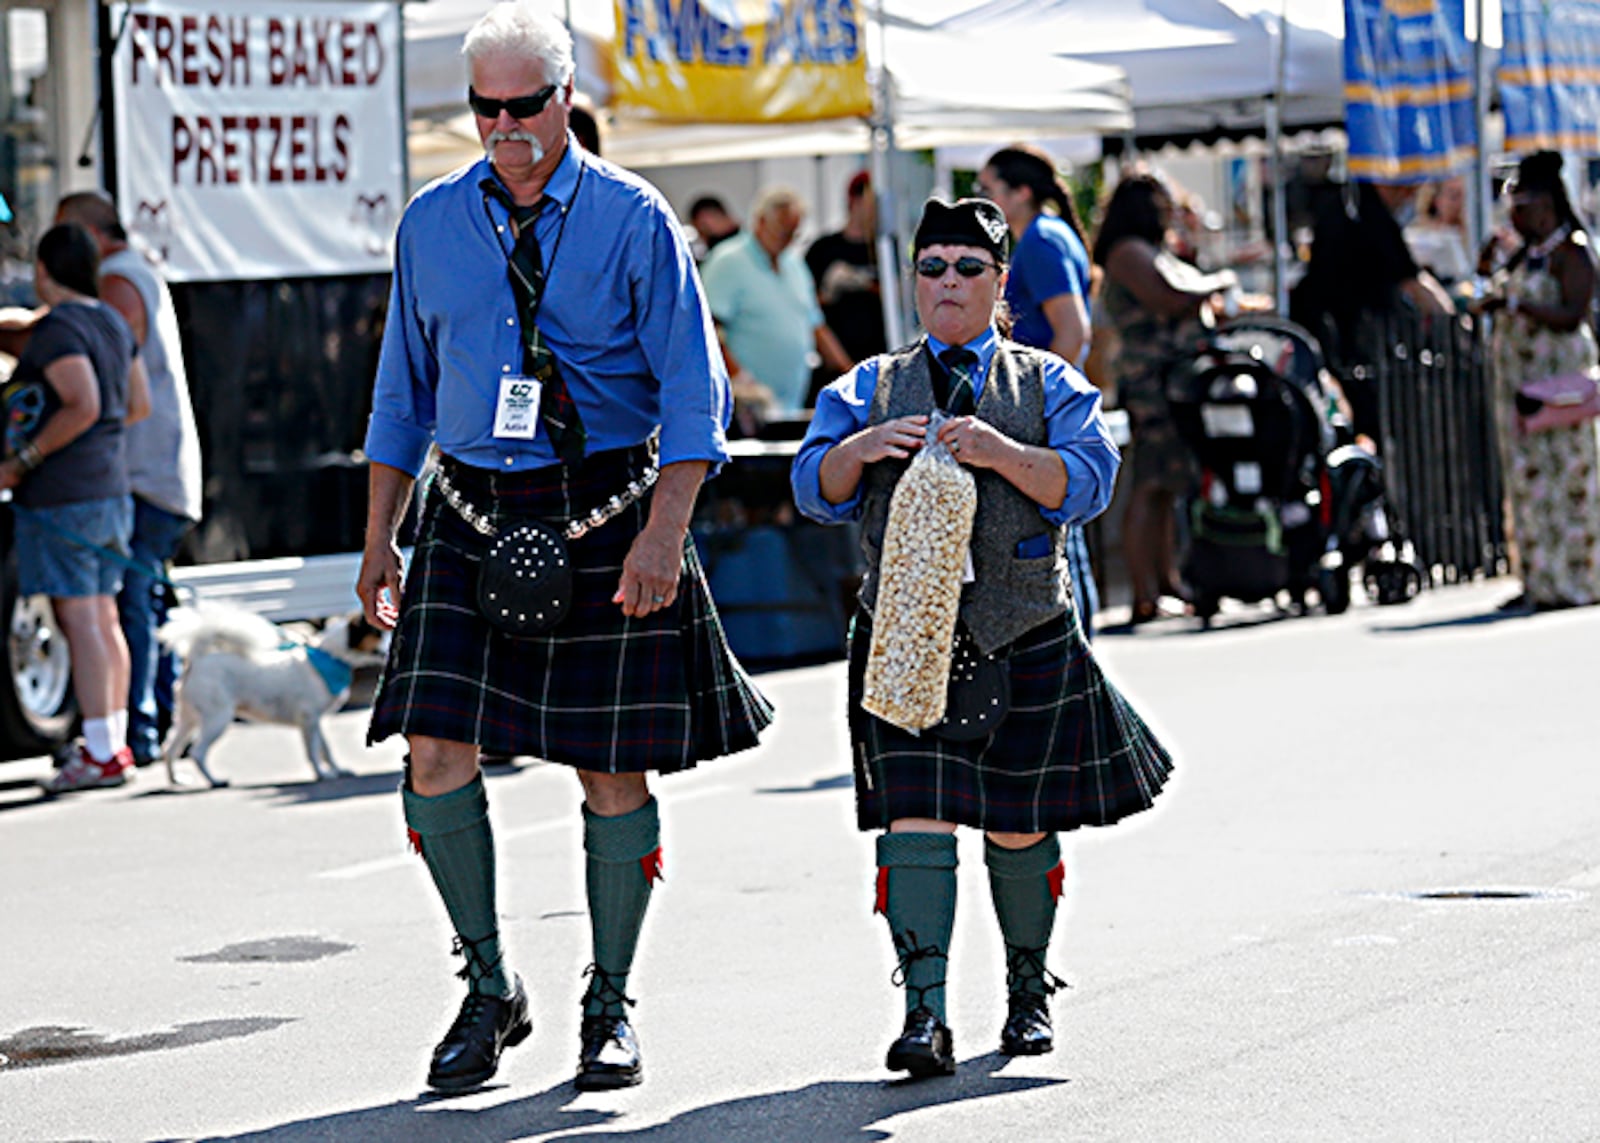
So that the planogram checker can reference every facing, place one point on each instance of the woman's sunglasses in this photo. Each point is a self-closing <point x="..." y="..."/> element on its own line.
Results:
<point x="966" y="267"/>
<point x="519" y="106"/>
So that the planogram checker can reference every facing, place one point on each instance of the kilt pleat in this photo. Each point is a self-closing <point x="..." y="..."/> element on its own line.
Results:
<point x="1073" y="752"/>
<point x="601" y="691"/>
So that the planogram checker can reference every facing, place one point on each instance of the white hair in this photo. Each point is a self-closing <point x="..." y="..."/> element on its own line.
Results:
<point x="515" y="28"/>
<point x="776" y="198"/>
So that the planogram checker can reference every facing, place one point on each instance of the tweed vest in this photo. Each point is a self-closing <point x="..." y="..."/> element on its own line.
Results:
<point x="1010" y="595"/>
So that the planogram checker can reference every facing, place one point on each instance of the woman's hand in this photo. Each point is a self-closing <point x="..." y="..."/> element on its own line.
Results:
<point x="975" y="442"/>
<point x="839" y="474"/>
<point x="890" y="440"/>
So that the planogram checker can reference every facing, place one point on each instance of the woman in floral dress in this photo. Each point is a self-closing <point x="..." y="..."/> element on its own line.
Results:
<point x="1542" y="329"/>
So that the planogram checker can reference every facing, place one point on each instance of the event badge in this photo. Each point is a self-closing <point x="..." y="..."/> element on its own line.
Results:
<point x="516" y="416"/>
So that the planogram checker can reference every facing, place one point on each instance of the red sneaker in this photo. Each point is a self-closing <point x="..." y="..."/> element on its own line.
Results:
<point x="82" y="772"/>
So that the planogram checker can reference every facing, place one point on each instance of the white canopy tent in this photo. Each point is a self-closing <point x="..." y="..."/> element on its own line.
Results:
<point x="939" y="97"/>
<point x="1194" y="66"/>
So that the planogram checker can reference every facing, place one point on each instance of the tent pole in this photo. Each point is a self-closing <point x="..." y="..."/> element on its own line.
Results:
<point x="881" y="142"/>
<point x="1479" y="201"/>
<point x="1280" y="212"/>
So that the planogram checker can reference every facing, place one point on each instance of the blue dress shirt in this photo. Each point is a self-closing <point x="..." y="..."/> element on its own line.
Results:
<point x="1074" y="428"/>
<point x="622" y="311"/>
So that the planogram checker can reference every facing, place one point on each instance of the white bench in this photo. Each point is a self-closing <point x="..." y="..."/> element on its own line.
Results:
<point x="282" y="590"/>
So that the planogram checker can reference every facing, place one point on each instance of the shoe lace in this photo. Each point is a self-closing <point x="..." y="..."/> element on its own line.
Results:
<point x="1025" y="966"/>
<point x="603" y="987"/>
<point x="910" y="953"/>
<point x="478" y="968"/>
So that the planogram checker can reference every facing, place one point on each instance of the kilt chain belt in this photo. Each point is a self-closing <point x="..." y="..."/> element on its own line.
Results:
<point x="577" y="527"/>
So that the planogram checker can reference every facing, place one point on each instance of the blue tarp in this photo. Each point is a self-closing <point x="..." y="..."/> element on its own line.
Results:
<point x="1550" y="75"/>
<point x="1408" y="89"/>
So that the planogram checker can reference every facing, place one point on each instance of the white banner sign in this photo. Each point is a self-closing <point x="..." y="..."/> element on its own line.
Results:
<point x="262" y="140"/>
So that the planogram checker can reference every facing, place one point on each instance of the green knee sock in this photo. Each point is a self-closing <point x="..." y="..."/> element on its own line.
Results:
<point x="917" y="896"/>
<point x="453" y="834"/>
<point x="1025" y="884"/>
<point x="624" y="861"/>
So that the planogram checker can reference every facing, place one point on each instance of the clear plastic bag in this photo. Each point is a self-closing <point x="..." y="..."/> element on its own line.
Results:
<point x="925" y="545"/>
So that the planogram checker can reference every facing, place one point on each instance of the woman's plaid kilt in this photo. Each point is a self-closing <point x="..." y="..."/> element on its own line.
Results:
<point x="601" y="691"/>
<point x="1071" y="753"/>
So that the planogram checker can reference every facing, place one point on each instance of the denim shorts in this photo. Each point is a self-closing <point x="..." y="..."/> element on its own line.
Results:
<point x="48" y="563"/>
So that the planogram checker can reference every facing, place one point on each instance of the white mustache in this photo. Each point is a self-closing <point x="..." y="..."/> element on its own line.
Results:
<point x="515" y="135"/>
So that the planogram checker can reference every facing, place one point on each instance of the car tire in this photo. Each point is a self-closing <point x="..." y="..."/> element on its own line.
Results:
<point x="37" y="706"/>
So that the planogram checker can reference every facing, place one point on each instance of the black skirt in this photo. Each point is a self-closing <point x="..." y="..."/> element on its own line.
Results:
<point x="601" y="691"/>
<point x="1071" y="753"/>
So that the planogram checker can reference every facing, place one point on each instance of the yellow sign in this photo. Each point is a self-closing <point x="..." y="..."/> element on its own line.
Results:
<point x="741" y="61"/>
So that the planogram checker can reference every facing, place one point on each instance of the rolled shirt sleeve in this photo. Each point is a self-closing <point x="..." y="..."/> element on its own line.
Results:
<point x="1077" y="431"/>
<point x="680" y="344"/>
<point x="842" y="411"/>
<point x="404" y="413"/>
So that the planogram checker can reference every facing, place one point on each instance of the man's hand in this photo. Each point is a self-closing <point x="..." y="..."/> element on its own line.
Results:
<point x="11" y="473"/>
<point x="654" y="564"/>
<point x="378" y="584"/>
<point x="651" y="571"/>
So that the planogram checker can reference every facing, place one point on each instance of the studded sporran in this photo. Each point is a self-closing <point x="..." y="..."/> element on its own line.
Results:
<point x="525" y="579"/>
<point x="525" y="574"/>
<point x="979" y="696"/>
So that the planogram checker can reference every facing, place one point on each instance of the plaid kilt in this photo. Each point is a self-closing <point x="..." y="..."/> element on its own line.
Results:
<point x="601" y="691"/>
<point x="1071" y="753"/>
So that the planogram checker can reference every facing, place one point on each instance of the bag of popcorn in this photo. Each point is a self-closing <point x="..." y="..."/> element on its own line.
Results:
<point x="924" y="554"/>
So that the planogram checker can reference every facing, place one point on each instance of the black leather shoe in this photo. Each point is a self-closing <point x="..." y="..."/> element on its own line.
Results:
<point x="925" y="1048"/>
<point x="608" y="1056"/>
<point x="469" y="1054"/>
<point x="1027" y="1031"/>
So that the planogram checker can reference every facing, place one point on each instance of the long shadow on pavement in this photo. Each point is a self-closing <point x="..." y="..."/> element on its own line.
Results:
<point x="833" y="1110"/>
<point x="1485" y="619"/>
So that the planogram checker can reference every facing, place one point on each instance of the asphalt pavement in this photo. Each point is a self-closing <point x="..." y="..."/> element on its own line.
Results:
<point x="1365" y="909"/>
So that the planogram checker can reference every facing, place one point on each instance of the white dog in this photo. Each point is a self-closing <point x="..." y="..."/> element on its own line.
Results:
<point x="239" y="664"/>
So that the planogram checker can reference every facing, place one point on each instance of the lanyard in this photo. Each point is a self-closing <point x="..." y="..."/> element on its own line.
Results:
<point x="492" y="190"/>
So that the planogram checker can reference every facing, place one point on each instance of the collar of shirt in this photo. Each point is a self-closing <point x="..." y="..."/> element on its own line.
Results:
<point x="561" y="186"/>
<point x="984" y="345"/>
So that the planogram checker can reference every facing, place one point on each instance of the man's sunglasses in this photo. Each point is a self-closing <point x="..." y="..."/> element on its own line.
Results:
<point x="519" y="106"/>
<point x="967" y="267"/>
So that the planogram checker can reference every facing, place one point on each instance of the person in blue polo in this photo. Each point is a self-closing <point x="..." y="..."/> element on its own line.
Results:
<point x="1070" y="751"/>
<point x="548" y="334"/>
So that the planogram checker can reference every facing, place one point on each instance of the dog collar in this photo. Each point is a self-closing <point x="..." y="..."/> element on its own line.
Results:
<point x="335" y="672"/>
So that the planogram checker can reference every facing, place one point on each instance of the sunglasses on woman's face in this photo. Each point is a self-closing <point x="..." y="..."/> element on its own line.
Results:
<point x="967" y="267"/>
<point x="519" y="106"/>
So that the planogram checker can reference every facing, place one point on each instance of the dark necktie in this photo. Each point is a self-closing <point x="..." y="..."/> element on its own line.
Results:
<point x="557" y="410"/>
<point x="962" y="365"/>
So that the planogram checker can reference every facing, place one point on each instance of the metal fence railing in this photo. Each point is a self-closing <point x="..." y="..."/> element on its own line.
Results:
<point x="1439" y="441"/>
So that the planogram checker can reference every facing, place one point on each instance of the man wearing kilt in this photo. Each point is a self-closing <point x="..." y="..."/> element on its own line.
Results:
<point x="1071" y="751"/>
<point x="547" y="332"/>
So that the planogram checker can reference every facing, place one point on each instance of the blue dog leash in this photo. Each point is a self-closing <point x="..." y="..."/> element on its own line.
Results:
<point x="151" y="573"/>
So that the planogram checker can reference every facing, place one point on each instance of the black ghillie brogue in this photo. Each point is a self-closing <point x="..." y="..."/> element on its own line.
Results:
<point x="925" y="1048"/>
<point x="469" y="1054"/>
<point x="608" y="1050"/>
<point x="487" y="1024"/>
<point x="1027" y="1031"/>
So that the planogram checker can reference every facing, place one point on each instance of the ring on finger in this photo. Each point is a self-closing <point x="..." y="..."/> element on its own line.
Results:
<point x="658" y="599"/>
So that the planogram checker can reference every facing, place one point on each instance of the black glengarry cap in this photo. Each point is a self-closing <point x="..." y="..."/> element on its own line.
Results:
<point x="966" y="222"/>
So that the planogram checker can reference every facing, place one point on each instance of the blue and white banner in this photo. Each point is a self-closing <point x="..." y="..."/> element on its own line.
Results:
<point x="1408" y="89"/>
<point x="1550" y="75"/>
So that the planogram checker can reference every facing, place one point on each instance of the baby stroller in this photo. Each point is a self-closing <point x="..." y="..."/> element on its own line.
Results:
<point x="1281" y="504"/>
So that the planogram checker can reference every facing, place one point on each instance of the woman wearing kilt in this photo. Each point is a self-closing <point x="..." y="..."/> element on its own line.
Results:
<point x="559" y="369"/>
<point x="1071" y="751"/>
